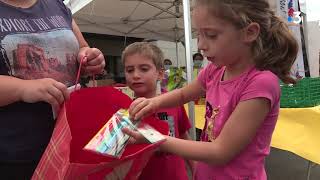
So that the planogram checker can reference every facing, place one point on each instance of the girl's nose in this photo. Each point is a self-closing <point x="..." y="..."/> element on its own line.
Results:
<point x="202" y="44"/>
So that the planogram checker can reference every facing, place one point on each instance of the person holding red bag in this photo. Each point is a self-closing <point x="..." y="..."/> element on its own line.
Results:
<point x="40" y="48"/>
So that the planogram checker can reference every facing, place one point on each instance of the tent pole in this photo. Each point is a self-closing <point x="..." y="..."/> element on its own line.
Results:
<point x="177" y="54"/>
<point x="187" y="34"/>
<point x="176" y="36"/>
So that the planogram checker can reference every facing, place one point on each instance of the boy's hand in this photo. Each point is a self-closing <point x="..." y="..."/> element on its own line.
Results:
<point x="47" y="90"/>
<point x="142" y="107"/>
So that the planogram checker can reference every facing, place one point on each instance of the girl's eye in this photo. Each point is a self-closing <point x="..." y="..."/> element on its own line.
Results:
<point x="206" y="34"/>
<point x="210" y="35"/>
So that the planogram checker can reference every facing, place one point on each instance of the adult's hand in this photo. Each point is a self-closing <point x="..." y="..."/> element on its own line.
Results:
<point x="94" y="63"/>
<point x="47" y="90"/>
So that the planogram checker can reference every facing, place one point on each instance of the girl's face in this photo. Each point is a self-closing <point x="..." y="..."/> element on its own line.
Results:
<point x="219" y="40"/>
<point x="141" y="75"/>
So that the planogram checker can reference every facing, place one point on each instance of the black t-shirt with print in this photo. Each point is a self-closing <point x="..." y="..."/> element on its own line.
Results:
<point x="35" y="43"/>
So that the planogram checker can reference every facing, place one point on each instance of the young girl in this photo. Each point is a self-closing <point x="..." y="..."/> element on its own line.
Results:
<point x="249" y="49"/>
<point x="143" y="64"/>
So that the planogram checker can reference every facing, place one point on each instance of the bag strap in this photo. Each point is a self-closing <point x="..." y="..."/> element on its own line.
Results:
<point x="79" y="72"/>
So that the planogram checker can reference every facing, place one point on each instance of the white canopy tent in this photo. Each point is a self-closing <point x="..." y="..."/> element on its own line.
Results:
<point x="149" y="19"/>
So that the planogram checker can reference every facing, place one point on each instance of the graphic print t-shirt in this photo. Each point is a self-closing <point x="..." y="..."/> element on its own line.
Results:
<point x="36" y="42"/>
<point x="165" y="165"/>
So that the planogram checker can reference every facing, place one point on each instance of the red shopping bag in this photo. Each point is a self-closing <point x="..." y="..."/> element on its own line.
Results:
<point x="79" y="120"/>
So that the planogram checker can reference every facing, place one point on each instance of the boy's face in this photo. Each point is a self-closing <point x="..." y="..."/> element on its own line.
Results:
<point x="141" y="75"/>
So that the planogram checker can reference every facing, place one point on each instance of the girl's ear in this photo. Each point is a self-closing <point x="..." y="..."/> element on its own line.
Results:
<point x="251" y="32"/>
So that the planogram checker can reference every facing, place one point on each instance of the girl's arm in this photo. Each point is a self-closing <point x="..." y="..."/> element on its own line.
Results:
<point x="236" y="134"/>
<point x="190" y="162"/>
<point x="143" y="106"/>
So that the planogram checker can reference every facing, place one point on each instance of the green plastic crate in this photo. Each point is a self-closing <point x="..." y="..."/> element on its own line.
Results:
<point x="306" y="93"/>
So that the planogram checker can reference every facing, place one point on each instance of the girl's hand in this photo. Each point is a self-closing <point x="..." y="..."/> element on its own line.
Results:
<point x="142" y="107"/>
<point x="94" y="63"/>
<point x="136" y="137"/>
<point x="47" y="90"/>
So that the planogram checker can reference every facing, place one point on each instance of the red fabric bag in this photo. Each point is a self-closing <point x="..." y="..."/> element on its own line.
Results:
<point x="80" y="118"/>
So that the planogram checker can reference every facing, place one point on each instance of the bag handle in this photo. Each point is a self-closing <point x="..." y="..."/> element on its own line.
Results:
<point x="79" y="72"/>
